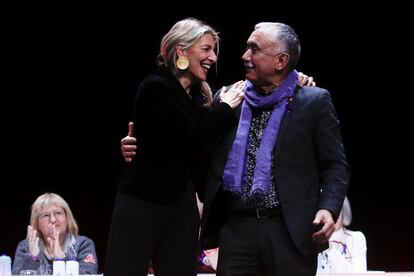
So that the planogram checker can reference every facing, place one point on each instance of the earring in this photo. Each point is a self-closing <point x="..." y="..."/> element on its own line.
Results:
<point x="182" y="63"/>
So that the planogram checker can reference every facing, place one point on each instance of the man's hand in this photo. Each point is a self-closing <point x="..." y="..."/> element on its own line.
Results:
<point x="323" y="217"/>
<point x="128" y="144"/>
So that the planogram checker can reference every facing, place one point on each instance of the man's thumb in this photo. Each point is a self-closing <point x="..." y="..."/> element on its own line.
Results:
<point x="131" y="129"/>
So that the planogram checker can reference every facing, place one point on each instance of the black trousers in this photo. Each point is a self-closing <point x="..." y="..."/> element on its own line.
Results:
<point x="258" y="247"/>
<point x="142" y="231"/>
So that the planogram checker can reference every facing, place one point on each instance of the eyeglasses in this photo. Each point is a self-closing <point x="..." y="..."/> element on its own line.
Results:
<point x="47" y="215"/>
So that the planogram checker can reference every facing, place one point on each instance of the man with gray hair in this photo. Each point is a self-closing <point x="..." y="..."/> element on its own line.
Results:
<point x="277" y="182"/>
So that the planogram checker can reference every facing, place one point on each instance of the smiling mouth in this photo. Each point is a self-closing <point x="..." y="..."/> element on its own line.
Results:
<point x="248" y="66"/>
<point x="206" y="66"/>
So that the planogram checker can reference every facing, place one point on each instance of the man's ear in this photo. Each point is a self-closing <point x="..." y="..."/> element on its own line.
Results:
<point x="282" y="61"/>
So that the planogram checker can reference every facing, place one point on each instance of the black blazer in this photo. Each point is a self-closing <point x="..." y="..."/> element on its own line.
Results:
<point x="174" y="133"/>
<point x="311" y="170"/>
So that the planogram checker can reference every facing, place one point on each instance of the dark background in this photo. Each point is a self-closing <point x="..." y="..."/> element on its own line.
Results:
<point x="70" y="71"/>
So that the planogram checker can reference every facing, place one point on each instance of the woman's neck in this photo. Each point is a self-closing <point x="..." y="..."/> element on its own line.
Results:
<point x="186" y="83"/>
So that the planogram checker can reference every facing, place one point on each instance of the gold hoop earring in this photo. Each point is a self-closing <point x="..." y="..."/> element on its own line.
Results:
<point x="182" y="63"/>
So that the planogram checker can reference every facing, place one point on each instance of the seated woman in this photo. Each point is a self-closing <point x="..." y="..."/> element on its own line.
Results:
<point x="347" y="250"/>
<point x="52" y="235"/>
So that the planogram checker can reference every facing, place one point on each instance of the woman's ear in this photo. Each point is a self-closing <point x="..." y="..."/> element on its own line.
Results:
<point x="180" y="51"/>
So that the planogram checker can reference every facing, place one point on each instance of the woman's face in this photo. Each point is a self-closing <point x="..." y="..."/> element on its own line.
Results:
<point x="50" y="217"/>
<point x="201" y="57"/>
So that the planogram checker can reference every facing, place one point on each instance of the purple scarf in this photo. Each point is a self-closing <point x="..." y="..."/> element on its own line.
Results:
<point x="235" y="170"/>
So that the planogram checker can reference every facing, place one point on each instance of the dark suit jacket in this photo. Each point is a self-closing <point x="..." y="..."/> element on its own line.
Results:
<point x="311" y="170"/>
<point x="174" y="132"/>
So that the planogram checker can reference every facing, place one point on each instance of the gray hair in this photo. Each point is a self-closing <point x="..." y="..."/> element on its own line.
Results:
<point x="346" y="212"/>
<point x="284" y="34"/>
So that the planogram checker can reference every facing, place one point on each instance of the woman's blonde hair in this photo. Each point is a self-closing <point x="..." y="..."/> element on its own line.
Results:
<point x="186" y="33"/>
<point x="51" y="199"/>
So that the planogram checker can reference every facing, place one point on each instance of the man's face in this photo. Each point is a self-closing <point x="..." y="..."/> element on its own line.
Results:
<point x="260" y="58"/>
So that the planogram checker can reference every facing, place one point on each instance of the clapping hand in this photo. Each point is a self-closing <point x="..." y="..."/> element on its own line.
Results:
<point x="33" y="241"/>
<point x="54" y="244"/>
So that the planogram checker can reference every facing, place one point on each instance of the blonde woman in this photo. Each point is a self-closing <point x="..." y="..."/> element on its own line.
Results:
<point x="53" y="235"/>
